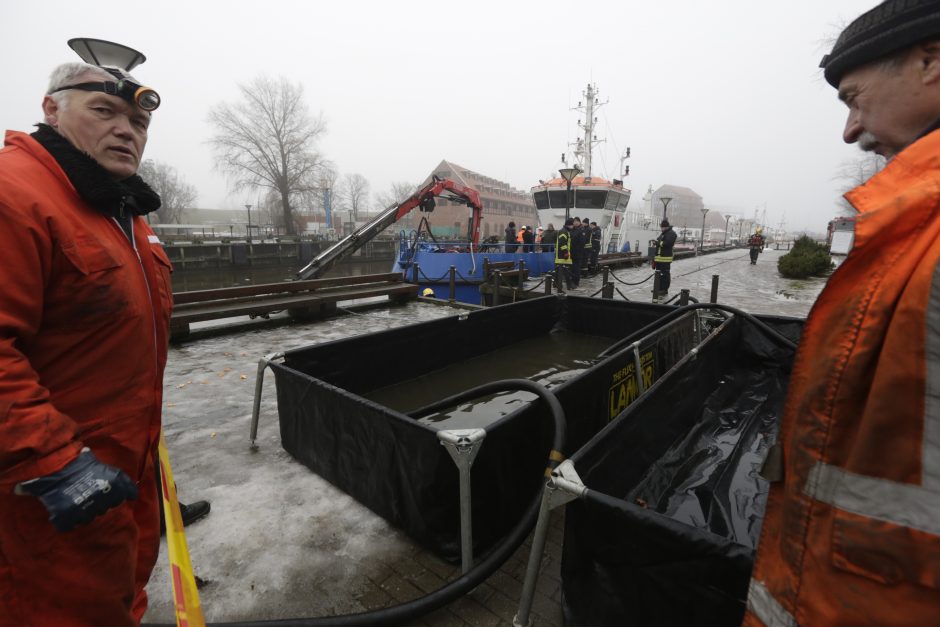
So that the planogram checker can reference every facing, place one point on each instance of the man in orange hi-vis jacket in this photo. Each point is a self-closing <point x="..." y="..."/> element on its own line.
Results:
<point x="84" y="315"/>
<point x="852" y="529"/>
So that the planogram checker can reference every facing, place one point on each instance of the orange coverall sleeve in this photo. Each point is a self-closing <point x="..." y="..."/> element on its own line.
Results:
<point x="35" y="438"/>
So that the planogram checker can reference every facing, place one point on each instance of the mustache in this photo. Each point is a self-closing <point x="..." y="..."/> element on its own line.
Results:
<point x="867" y="141"/>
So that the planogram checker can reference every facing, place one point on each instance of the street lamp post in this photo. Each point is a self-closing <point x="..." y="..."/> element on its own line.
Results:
<point x="727" y="219"/>
<point x="568" y="174"/>
<point x="665" y="200"/>
<point x="248" y="228"/>
<point x="702" y="242"/>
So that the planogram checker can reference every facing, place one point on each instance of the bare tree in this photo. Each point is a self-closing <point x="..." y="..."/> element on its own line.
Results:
<point x="175" y="193"/>
<point x="854" y="172"/>
<point x="354" y="192"/>
<point x="397" y="192"/>
<point x="268" y="141"/>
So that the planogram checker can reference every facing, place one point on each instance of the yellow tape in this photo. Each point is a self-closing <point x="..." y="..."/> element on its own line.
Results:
<point x="556" y="456"/>
<point x="185" y="594"/>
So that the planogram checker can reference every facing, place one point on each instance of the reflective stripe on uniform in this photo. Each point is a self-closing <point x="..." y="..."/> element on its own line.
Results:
<point x="897" y="503"/>
<point x="930" y="462"/>
<point x="764" y="606"/>
<point x="659" y="259"/>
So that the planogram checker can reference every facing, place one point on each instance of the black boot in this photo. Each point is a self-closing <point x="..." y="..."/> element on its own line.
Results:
<point x="189" y="513"/>
<point x="194" y="511"/>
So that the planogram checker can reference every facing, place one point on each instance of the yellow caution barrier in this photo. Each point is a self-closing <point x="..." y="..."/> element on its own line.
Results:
<point x="185" y="594"/>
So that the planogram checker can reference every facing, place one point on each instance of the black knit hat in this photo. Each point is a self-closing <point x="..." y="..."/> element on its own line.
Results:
<point x="664" y="223"/>
<point x="889" y="27"/>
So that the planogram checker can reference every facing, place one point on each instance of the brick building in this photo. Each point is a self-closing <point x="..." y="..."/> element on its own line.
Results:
<point x="502" y="203"/>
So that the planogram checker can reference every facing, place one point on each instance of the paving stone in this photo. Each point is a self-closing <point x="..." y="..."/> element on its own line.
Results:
<point x="438" y="566"/>
<point x="428" y="581"/>
<point x="375" y="598"/>
<point x="401" y="589"/>
<point x="409" y="569"/>
<point x="474" y="613"/>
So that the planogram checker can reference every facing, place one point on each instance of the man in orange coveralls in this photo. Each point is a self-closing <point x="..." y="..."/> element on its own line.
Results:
<point x="852" y="530"/>
<point x="84" y="314"/>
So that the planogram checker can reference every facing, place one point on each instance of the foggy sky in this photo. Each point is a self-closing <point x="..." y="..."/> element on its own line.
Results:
<point x="724" y="97"/>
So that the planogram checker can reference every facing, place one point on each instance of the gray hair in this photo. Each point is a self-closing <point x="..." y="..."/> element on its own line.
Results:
<point x="70" y="73"/>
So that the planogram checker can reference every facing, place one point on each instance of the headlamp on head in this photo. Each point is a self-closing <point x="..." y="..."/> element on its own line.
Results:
<point x="106" y="53"/>
<point x="144" y="97"/>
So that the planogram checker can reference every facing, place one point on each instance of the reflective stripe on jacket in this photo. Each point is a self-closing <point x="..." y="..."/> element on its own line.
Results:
<point x="563" y="248"/>
<point x="852" y="533"/>
<point x="664" y="244"/>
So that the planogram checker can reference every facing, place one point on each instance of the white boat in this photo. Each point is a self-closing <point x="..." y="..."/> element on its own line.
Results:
<point x="594" y="198"/>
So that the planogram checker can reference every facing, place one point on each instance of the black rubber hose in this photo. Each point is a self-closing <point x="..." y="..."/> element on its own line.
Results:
<point x="476" y="575"/>
<point x="672" y="315"/>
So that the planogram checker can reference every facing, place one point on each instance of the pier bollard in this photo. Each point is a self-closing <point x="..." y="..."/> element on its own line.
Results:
<point x="607" y="287"/>
<point x="521" y="269"/>
<point x="414" y="274"/>
<point x="656" y="281"/>
<point x="714" y="296"/>
<point x="683" y="297"/>
<point x="548" y="283"/>
<point x="452" y="295"/>
<point x="497" y="275"/>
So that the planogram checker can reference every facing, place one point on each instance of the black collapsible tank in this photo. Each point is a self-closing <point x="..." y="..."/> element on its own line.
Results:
<point x="669" y="537"/>
<point x="396" y="465"/>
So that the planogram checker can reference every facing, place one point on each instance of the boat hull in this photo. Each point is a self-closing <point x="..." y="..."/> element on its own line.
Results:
<point x="433" y="269"/>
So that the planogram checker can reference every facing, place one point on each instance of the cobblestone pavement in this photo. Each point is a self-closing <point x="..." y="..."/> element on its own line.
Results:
<point x="493" y="604"/>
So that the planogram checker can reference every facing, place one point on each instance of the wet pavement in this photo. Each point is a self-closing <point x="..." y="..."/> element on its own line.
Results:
<point x="753" y="288"/>
<point x="283" y="543"/>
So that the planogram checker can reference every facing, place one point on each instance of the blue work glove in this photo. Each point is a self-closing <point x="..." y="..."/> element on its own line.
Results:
<point x="84" y="489"/>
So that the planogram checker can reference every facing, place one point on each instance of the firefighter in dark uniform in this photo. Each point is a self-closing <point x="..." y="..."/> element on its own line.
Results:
<point x="588" y="247"/>
<point x="595" y="246"/>
<point x="577" y="250"/>
<point x="663" y="260"/>
<point x="563" y="259"/>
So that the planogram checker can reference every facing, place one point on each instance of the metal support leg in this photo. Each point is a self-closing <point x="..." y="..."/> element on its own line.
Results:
<point x="563" y="487"/>
<point x="714" y="295"/>
<point x="638" y="367"/>
<point x="256" y="407"/>
<point x="463" y="446"/>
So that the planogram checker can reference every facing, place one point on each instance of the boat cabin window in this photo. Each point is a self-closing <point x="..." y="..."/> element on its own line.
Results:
<point x="624" y="199"/>
<point x="612" y="200"/>
<point x="541" y="200"/>
<point x="557" y="198"/>
<point x="590" y="198"/>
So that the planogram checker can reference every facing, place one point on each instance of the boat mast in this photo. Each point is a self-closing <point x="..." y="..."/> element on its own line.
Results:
<point x="584" y="147"/>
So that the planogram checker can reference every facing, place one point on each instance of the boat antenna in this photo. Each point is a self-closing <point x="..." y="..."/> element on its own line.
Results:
<point x="584" y="147"/>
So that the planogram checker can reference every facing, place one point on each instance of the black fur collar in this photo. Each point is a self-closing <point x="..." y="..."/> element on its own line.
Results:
<point x="93" y="183"/>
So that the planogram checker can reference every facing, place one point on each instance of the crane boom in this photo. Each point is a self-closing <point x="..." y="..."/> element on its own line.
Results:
<point x="423" y="198"/>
